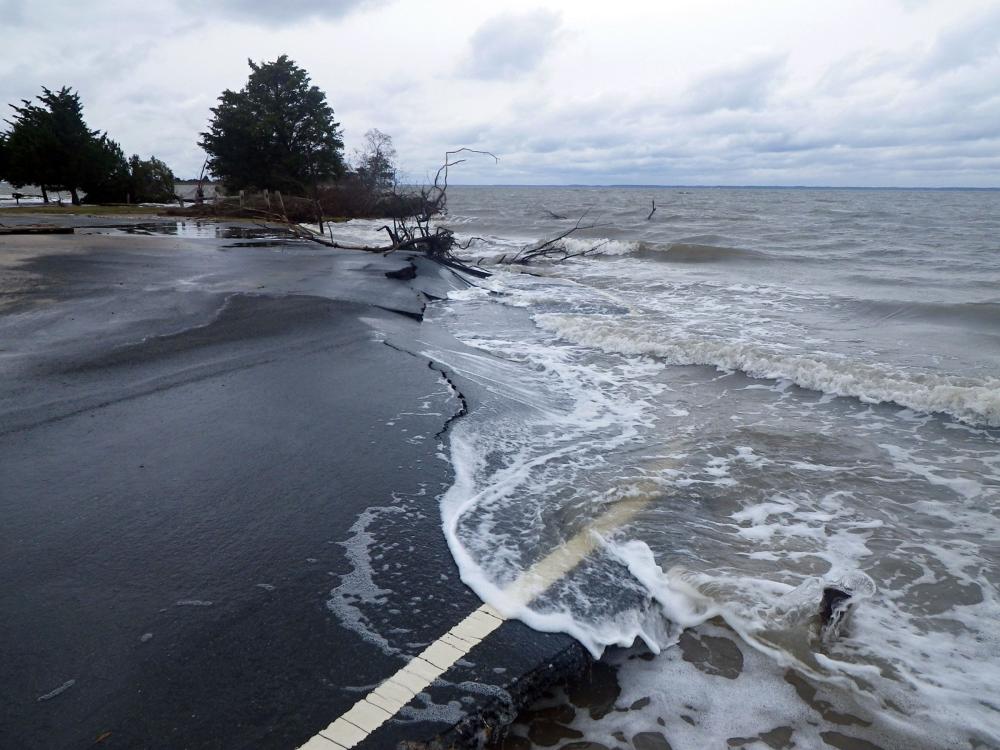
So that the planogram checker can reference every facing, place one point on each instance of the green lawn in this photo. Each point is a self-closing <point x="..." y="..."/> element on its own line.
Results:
<point x="82" y="210"/>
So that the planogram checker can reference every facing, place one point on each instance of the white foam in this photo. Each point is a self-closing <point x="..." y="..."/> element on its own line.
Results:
<point x="777" y="492"/>
<point x="599" y="246"/>
<point x="694" y="706"/>
<point x="359" y="587"/>
<point x="938" y="697"/>
<point x="976" y="401"/>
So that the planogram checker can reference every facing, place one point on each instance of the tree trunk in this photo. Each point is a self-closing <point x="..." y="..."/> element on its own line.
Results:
<point x="75" y="195"/>
<point x="45" y="195"/>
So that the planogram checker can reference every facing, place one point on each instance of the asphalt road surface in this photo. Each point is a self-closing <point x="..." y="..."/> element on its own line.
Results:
<point x="218" y="497"/>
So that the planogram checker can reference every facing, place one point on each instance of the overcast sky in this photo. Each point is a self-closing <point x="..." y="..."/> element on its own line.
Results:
<point x="848" y="92"/>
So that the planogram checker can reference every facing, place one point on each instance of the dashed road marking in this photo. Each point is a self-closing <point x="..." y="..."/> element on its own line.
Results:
<point x="385" y="701"/>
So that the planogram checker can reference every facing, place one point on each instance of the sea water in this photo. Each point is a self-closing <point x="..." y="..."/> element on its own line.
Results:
<point x="715" y="411"/>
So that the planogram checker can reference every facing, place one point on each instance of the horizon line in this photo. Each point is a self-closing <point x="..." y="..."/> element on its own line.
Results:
<point x="718" y="186"/>
<point x="635" y="185"/>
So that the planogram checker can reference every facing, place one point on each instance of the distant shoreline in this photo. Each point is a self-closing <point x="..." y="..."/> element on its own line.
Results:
<point x="730" y="187"/>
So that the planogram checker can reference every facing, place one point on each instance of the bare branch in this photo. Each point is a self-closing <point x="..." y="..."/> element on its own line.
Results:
<point x="468" y="244"/>
<point x="443" y="169"/>
<point x="554" y="249"/>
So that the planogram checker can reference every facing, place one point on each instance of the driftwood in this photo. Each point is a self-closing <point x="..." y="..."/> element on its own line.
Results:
<point x="554" y="249"/>
<point x="651" y="211"/>
<point x="410" y="231"/>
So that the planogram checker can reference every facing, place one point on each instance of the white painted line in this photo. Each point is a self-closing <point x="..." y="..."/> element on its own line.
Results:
<point x="423" y="668"/>
<point x="411" y="682"/>
<point x="460" y="643"/>
<point x="389" y="705"/>
<point x="319" y="742"/>
<point x="377" y="707"/>
<point x="344" y="733"/>
<point x="367" y="716"/>
<point x="476" y="627"/>
<point x="442" y="655"/>
<point x="393" y="691"/>
<point x="372" y="711"/>
<point x="486" y="608"/>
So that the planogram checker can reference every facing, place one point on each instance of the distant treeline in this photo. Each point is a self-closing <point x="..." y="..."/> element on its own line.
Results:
<point x="49" y="145"/>
<point x="275" y="135"/>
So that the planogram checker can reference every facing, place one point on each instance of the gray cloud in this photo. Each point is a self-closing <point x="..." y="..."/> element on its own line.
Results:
<point x="745" y="86"/>
<point x="511" y="44"/>
<point x="286" y="12"/>
<point x="12" y="12"/>
<point x="561" y="96"/>
<point x="963" y="44"/>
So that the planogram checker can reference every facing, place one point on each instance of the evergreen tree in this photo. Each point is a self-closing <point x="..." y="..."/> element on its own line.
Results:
<point x="277" y="132"/>
<point x="105" y="176"/>
<point x="3" y="157"/>
<point x="30" y="145"/>
<point x="49" y="143"/>
<point x="151" y="180"/>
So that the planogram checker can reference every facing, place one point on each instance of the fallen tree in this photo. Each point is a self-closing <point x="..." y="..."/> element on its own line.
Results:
<point x="554" y="249"/>
<point x="412" y="215"/>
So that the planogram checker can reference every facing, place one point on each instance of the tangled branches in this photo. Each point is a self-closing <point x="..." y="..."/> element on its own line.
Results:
<point x="411" y="218"/>
<point x="554" y="249"/>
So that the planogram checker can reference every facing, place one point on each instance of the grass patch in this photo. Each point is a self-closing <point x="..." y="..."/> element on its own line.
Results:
<point x="82" y="210"/>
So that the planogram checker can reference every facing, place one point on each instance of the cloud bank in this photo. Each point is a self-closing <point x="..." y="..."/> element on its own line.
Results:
<point x="891" y="92"/>
<point x="511" y="44"/>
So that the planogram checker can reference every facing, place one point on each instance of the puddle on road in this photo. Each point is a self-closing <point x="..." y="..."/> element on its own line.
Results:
<point x="262" y="243"/>
<point x="197" y="230"/>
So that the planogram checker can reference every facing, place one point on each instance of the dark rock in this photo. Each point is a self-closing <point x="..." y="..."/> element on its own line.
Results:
<point x="562" y="714"/>
<point x="596" y="691"/>
<point x="711" y="655"/>
<point x="515" y="742"/>
<point x="779" y="738"/>
<point x="548" y="733"/>
<point x="846" y="742"/>
<point x="650" y="741"/>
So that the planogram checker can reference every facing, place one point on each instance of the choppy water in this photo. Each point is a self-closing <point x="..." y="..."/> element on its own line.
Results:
<point x="747" y="396"/>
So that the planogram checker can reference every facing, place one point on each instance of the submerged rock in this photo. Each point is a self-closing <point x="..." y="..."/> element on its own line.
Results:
<point x="650" y="741"/>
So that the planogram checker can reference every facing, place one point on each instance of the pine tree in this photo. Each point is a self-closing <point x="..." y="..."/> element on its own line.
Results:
<point x="4" y="159"/>
<point x="151" y="180"/>
<point x="105" y="176"/>
<point x="278" y="132"/>
<point x="49" y="143"/>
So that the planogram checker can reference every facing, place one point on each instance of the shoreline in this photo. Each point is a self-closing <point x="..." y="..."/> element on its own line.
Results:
<point x="187" y="467"/>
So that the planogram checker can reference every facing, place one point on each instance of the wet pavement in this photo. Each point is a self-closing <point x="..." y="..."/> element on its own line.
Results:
<point x="218" y="489"/>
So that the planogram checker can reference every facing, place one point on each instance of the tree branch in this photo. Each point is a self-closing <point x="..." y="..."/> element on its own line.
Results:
<point x="553" y="249"/>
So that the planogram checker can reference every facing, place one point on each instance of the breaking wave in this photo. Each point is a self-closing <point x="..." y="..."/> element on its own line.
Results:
<point x="683" y="252"/>
<point x="677" y="252"/>
<point x="970" y="400"/>
<point x="600" y="245"/>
